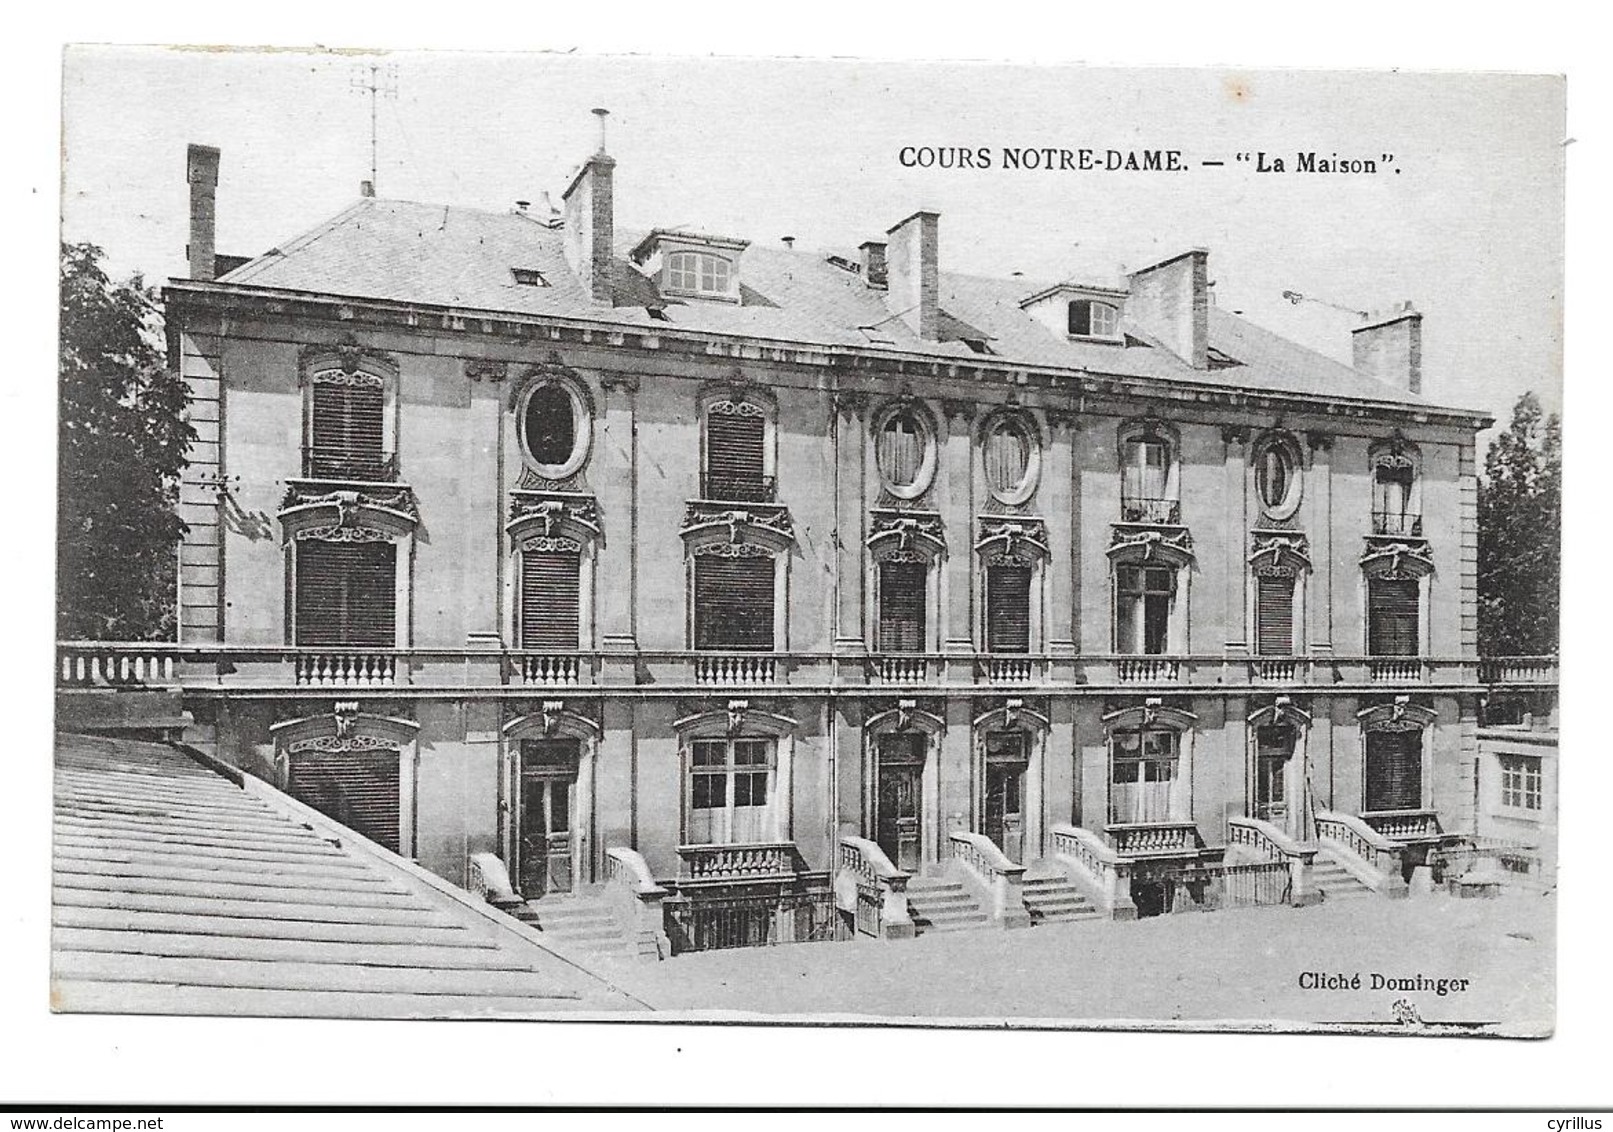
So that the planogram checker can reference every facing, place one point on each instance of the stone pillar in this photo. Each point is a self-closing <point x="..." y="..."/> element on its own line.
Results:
<point x="616" y="568"/>
<point x="1236" y="533"/>
<point x="956" y="774"/>
<point x="1319" y="526"/>
<point x="851" y="519"/>
<point x="849" y="817"/>
<point x="615" y="818"/>
<point x="955" y="492"/>
<point x="1061" y="801"/>
<point x="1058" y="505"/>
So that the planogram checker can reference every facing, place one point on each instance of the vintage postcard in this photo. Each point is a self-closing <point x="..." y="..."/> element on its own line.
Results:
<point x="836" y="541"/>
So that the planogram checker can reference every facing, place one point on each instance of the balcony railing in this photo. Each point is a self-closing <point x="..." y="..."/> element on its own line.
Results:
<point x="365" y="669"/>
<point x="740" y="669"/>
<point x="1007" y="669"/>
<point x="899" y="668"/>
<point x="1395" y="669"/>
<point x="1164" y="512"/>
<point x="329" y="463"/>
<point x="1397" y="523"/>
<point x="1518" y="670"/>
<point x="550" y="669"/>
<point x="1154" y="837"/>
<point x="1280" y="670"/>
<point x="718" y="488"/>
<point x="1148" y="669"/>
<point x="739" y="862"/>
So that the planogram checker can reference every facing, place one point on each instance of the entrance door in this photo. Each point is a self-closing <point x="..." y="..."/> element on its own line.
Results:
<point x="1006" y="758"/>
<point x="1274" y="747"/>
<point x="1394" y="770"/>
<point x="897" y="799"/>
<point x="544" y="839"/>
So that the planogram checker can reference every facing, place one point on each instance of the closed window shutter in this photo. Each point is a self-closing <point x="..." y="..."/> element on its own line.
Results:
<point x="549" y="599"/>
<point x="901" y="606"/>
<point x="1274" y="616"/>
<point x="347" y="431"/>
<point x="1392" y="608"/>
<point x="1394" y="770"/>
<point x="734" y="457"/>
<point x="357" y="788"/>
<point x="1008" y="608"/>
<point x="346" y="594"/>
<point x="733" y="603"/>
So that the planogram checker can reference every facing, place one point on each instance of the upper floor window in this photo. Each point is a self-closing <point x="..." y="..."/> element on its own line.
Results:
<point x="1011" y="454"/>
<point x="1149" y="491"/>
<point x="1091" y="319"/>
<point x="1396" y="494"/>
<point x="734" y="601"/>
<point x="730" y="790"/>
<point x="1144" y="599"/>
<point x="1274" y="613"/>
<point x="903" y="603"/>
<point x="1008" y="607"/>
<point x="1394" y="606"/>
<point x="699" y="273"/>
<point x="347" y="427"/>
<point x="555" y="426"/>
<point x="550" y="597"/>
<point x="1520" y="781"/>
<point x="1277" y="479"/>
<point x="344" y="594"/>
<point x="904" y="449"/>
<point x="737" y="467"/>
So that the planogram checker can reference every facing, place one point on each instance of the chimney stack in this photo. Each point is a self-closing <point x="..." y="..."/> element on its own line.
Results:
<point x="201" y="170"/>
<point x="590" y="223"/>
<point x="873" y="262"/>
<point x="913" y="279"/>
<point x="366" y="189"/>
<point x="1171" y="302"/>
<point x="1389" y="347"/>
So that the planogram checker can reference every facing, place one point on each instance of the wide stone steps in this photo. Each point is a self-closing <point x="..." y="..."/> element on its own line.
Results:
<point x="943" y="906"/>
<point x="1055" y="899"/>
<point x="1335" y="882"/>
<point x="580" y="922"/>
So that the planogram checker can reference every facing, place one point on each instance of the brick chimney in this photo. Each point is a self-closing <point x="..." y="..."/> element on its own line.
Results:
<point x="201" y="170"/>
<point x="913" y="279"/>
<point x="1170" y="301"/>
<point x="873" y="262"/>
<point x="590" y="223"/>
<point x="1389" y="347"/>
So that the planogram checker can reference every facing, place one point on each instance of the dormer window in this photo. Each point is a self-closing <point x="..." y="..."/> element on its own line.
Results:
<point x="698" y="272"/>
<point x="1091" y="319"/>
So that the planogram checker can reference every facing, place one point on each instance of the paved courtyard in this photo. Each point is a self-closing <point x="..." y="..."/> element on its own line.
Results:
<point x="1234" y="965"/>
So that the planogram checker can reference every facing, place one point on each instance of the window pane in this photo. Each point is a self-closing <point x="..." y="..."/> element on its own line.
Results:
<point x="549" y="425"/>
<point x="751" y="752"/>
<point x="1007" y="457"/>
<point x="1156" y="623"/>
<point x="902" y="599"/>
<point x="345" y="594"/>
<point x="1105" y="320"/>
<point x="900" y="449"/>
<point x="710" y="752"/>
<point x="1081" y="317"/>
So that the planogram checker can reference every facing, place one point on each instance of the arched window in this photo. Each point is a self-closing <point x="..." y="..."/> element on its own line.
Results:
<point x="904" y="449"/>
<point x="1011" y="453"/>
<point x="1092" y="319"/>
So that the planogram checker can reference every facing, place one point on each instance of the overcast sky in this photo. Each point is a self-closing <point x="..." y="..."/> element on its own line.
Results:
<point x="1470" y="228"/>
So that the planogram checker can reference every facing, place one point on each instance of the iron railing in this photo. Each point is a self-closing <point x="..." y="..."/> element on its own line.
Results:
<point x="717" y="487"/>
<point x="1400" y="523"/>
<point x="1139" y="509"/>
<point x="764" y="919"/>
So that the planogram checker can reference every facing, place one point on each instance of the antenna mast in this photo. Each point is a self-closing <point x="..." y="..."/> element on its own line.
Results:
<point x="378" y="82"/>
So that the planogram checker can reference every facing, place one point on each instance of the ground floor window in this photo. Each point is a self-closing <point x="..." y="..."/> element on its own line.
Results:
<point x="359" y="789"/>
<point x="730" y="791"/>
<point x="1394" y="770"/>
<point x="1520" y="781"/>
<point x="1145" y="780"/>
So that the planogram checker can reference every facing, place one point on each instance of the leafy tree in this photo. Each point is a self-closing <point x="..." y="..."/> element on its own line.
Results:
<point x="1520" y="535"/>
<point x="121" y="447"/>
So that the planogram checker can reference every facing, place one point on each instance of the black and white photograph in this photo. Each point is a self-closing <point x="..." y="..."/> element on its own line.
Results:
<point x="657" y="538"/>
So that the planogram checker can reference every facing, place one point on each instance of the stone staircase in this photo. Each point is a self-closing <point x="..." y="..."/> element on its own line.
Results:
<point x="1336" y="882"/>
<point x="1053" y="899"/>
<point x="582" y="923"/>
<point x="940" y="905"/>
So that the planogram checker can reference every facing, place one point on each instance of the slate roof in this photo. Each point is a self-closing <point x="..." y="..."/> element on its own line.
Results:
<point x="463" y="258"/>
<point x="177" y="891"/>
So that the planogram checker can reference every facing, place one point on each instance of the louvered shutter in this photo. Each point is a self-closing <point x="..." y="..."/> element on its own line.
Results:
<point x="357" y="788"/>
<point x="1274" y="616"/>
<point x="734" y="464"/>
<point x="901" y="606"/>
<point x="733" y="603"/>
<point x="1008" y="608"/>
<point x="1394" y="770"/>
<point x="549" y="599"/>
<point x="346" y="594"/>
<point x="1392" y="608"/>
<point x="347" y="431"/>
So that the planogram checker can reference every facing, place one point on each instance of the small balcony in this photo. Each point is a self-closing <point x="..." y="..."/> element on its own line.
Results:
<point x="719" y="487"/>
<point x="736" y="669"/>
<point x="1395" y="669"/>
<point x="1398" y="524"/>
<point x="1155" y="512"/>
<point x="748" y="862"/>
<point x="1148" y="669"/>
<point x="345" y="465"/>
<point x="1007" y="668"/>
<point x="898" y="668"/>
<point x="1279" y="670"/>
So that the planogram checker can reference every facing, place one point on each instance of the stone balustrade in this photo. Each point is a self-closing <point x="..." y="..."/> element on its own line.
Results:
<point x="738" y="862"/>
<point x="1404" y="825"/>
<point x="1095" y="865"/>
<point x="108" y="665"/>
<point x="549" y="670"/>
<point x="734" y="670"/>
<point x="346" y="669"/>
<point x="1518" y="670"/>
<point x="1266" y="842"/>
<point x="1154" y="838"/>
<point x="1006" y="669"/>
<point x="989" y="868"/>
<point x="1381" y="857"/>
<point x="486" y="877"/>
<point x="1148" y="669"/>
<point x="873" y="890"/>
<point x="1395" y="670"/>
<point x="899" y="668"/>
<point x="638" y="900"/>
<point x="1279" y="670"/>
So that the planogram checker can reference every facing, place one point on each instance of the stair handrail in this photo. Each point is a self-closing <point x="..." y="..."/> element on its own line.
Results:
<point x="1274" y="844"/>
<point x="1356" y="836"/>
<point x="865" y="866"/>
<point x="987" y="865"/>
<point x="1094" y="862"/>
<point x="639" y="899"/>
<point x="489" y="879"/>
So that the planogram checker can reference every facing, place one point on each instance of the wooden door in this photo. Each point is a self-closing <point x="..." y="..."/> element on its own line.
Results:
<point x="1274" y="747"/>
<point x="898" y="800"/>
<point x="547" y="817"/>
<point x="1005" y="819"/>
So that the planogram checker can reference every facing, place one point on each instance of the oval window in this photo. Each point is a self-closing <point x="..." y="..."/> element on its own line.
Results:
<point x="1012" y="460"/>
<point x="904" y="448"/>
<point x="553" y="430"/>
<point x="1277" y="479"/>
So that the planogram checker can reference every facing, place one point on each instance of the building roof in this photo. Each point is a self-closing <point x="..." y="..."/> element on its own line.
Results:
<point x="465" y="258"/>
<point x="179" y="891"/>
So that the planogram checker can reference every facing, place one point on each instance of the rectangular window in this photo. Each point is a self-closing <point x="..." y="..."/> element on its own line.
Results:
<point x="1520" y="781"/>
<point x="1393" y="512"/>
<point x="1143" y="782"/>
<point x="1274" y="615"/>
<point x="902" y="593"/>
<point x="1147" y="490"/>
<point x="357" y="788"/>
<point x="1393" y="605"/>
<point x="730" y="788"/>
<point x="346" y="433"/>
<point x="1143" y="599"/>
<point x="1008" y="608"/>
<point x="1394" y="770"/>
<point x="549" y="599"/>
<point x="735" y="458"/>
<point x="346" y="594"/>
<point x="733" y="603"/>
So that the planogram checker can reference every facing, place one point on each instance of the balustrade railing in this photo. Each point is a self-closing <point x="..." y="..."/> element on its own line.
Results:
<point x="1518" y="670"/>
<point x="550" y="670"/>
<point x="989" y="867"/>
<point x="1397" y="523"/>
<point x="738" y="862"/>
<point x="1005" y="669"/>
<point x="1280" y="670"/>
<point x="346" y="669"/>
<point x="899" y="668"/>
<point x="1103" y="872"/>
<point x="1395" y="670"/>
<point x="735" y="669"/>
<point x="486" y="877"/>
<point x="92" y="665"/>
<point x="1404" y="825"/>
<point x="1355" y="836"/>
<point x="1154" y="837"/>
<point x="1265" y="842"/>
<point x="1148" y="669"/>
<point x="638" y="899"/>
<point x="873" y="889"/>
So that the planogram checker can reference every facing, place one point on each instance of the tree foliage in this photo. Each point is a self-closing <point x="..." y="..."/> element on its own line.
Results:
<point x="121" y="447"/>
<point x="1520" y="535"/>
